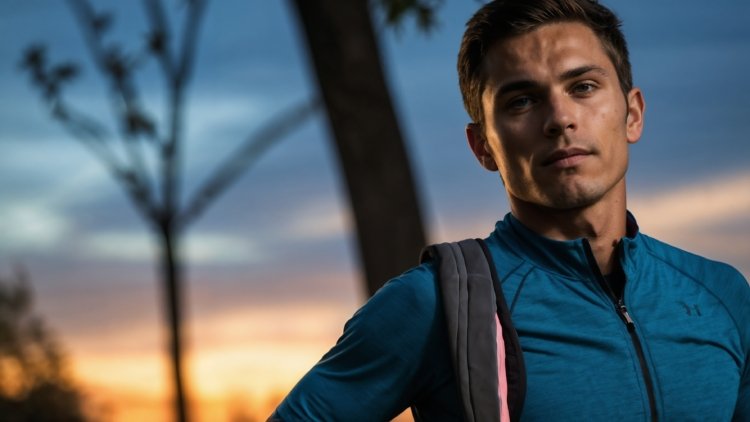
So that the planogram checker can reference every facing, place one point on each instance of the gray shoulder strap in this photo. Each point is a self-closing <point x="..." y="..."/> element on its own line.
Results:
<point x="469" y="303"/>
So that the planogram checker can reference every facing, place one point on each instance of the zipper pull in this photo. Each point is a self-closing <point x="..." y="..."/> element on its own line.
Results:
<point x="626" y="316"/>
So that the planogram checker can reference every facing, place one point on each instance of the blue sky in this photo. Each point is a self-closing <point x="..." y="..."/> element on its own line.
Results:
<point x="281" y="236"/>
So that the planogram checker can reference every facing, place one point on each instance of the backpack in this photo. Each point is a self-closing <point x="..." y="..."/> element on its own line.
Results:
<point x="475" y="310"/>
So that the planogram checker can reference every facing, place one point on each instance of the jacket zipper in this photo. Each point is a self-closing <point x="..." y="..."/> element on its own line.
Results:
<point x="622" y="311"/>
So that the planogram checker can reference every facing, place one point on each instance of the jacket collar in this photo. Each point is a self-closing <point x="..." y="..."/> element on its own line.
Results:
<point x="564" y="257"/>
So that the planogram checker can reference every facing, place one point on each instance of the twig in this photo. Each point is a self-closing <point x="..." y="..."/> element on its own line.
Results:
<point x="243" y="157"/>
<point x="171" y="158"/>
<point x="115" y="68"/>
<point x="160" y="37"/>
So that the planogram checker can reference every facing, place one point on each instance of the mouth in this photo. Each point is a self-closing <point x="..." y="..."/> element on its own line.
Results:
<point x="566" y="157"/>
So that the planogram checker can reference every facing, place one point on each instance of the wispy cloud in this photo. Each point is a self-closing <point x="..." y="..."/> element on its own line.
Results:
<point x="200" y="248"/>
<point x="217" y="248"/>
<point x="210" y="114"/>
<point x="319" y="220"/>
<point x="28" y="227"/>
<point x="119" y="245"/>
<point x="709" y="217"/>
<point x="696" y="206"/>
<point x="35" y="221"/>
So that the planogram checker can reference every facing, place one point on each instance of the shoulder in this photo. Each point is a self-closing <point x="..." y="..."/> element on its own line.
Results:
<point x="712" y="273"/>
<point x="723" y="281"/>
<point x="406" y="309"/>
<point x="415" y="288"/>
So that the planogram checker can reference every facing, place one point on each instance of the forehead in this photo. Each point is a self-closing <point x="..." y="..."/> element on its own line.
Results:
<point x="544" y="52"/>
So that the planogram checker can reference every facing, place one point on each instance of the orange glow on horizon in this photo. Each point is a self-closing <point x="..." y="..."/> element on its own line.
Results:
<point x="241" y="363"/>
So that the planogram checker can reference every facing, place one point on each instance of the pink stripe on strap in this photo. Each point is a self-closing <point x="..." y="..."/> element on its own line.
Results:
<point x="502" y="383"/>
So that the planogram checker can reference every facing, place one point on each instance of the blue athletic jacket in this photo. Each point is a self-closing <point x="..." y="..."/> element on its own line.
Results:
<point x="675" y="348"/>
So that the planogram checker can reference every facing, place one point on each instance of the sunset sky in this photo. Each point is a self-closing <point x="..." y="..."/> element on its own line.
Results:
<point x="272" y="270"/>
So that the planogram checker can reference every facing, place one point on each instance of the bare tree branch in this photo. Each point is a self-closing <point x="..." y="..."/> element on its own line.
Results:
<point x="160" y="37"/>
<point x="114" y="65"/>
<point x="245" y="156"/>
<point x="92" y="135"/>
<point x="171" y="157"/>
<point x="189" y="38"/>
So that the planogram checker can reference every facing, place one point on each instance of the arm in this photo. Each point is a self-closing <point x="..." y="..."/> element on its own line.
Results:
<point x="742" y="408"/>
<point x="373" y="371"/>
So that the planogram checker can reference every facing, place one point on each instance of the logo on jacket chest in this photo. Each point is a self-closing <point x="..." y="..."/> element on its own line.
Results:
<point x="690" y="309"/>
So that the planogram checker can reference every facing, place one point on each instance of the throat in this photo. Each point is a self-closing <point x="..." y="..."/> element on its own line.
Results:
<point x="616" y="280"/>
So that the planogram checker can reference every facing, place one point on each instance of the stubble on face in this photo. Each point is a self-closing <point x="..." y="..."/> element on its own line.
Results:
<point x="575" y="188"/>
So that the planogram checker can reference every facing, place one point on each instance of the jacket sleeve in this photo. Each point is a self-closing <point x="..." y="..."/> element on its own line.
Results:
<point x="742" y="408"/>
<point x="371" y="374"/>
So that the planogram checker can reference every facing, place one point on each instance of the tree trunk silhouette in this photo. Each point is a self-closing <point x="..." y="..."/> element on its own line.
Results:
<point x="371" y="152"/>
<point x="172" y="297"/>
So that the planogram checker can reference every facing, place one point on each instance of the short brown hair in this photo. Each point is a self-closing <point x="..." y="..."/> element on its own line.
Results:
<point x="501" y="19"/>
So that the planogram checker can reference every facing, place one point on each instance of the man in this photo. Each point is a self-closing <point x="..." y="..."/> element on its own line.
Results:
<point x="614" y="325"/>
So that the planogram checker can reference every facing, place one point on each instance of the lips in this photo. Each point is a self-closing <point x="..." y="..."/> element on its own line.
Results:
<point x="566" y="157"/>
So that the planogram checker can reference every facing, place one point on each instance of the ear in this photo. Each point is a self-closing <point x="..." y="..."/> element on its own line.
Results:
<point x="636" y="110"/>
<point x="479" y="146"/>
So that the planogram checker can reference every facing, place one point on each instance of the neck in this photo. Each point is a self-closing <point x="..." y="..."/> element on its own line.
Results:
<point x="602" y="224"/>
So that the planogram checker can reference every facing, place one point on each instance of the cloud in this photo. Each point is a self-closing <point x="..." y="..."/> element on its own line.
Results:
<point x="696" y="206"/>
<point x="35" y="221"/>
<point x="479" y="221"/>
<point x="209" y="114"/>
<point x="29" y="227"/>
<point x="707" y="217"/>
<point x="200" y="248"/>
<point x="119" y="245"/>
<point x="51" y="168"/>
<point x="319" y="220"/>
<point x="215" y="248"/>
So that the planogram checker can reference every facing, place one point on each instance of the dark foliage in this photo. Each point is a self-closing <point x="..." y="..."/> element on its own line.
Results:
<point x="34" y="386"/>
<point x="423" y="12"/>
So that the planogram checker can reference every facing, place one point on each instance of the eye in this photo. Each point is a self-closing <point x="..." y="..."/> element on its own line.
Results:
<point x="583" y="88"/>
<point x="520" y="103"/>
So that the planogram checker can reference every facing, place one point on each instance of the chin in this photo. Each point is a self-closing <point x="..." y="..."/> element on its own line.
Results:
<point x="573" y="198"/>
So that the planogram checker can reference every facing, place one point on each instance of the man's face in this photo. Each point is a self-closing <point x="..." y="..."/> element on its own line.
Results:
<point x="557" y="125"/>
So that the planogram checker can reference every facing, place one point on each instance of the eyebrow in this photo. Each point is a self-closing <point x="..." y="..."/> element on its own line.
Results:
<point x="516" y="86"/>
<point x="525" y="84"/>
<point x="582" y="70"/>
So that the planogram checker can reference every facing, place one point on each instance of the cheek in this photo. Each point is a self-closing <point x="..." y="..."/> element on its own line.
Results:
<point x="517" y="144"/>
<point x="517" y="140"/>
<point x="515" y="167"/>
<point x="609" y="127"/>
<point x="510" y="153"/>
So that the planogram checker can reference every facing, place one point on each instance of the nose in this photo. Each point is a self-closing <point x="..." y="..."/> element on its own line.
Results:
<point x="560" y="116"/>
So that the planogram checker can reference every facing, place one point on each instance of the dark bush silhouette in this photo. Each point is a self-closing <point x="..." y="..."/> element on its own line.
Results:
<point x="34" y="385"/>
